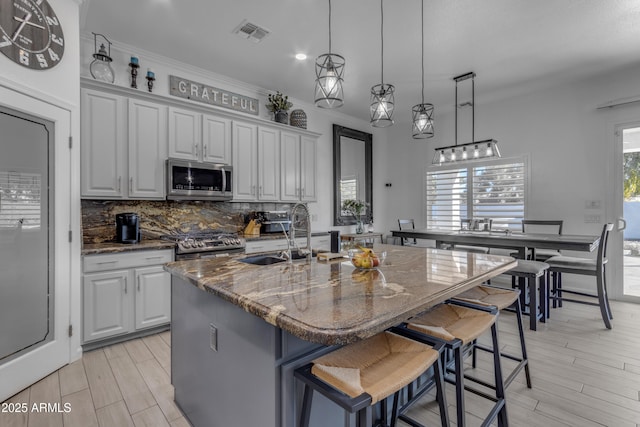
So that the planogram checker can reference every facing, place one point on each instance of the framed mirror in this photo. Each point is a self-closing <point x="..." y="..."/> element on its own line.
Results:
<point x="352" y="172"/>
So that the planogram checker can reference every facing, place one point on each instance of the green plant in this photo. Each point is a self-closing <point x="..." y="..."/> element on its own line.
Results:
<point x="354" y="207"/>
<point x="278" y="102"/>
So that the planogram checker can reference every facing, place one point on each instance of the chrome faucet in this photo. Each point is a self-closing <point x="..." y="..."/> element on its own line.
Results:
<point x="307" y="222"/>
<point x="285" y="254"/>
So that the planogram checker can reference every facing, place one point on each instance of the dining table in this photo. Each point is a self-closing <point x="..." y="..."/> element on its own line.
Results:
<point x="522" y="242"/>
<point x="525" y="243"/>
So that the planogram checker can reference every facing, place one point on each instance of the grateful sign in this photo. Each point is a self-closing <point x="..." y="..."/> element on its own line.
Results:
<point x="200" y="92"/>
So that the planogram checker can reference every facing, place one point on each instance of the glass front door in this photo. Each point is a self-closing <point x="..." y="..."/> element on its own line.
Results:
<point x="631" y="210"/>
<point x="26" y="230"/>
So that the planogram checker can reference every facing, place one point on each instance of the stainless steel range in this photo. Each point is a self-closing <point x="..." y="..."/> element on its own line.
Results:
<point x="205" y="244"/>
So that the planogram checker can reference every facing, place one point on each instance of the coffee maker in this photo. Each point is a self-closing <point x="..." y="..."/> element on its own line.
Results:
<point x="127" y="228"/>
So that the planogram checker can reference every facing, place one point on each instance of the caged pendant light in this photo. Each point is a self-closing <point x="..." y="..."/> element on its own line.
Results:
<point x="473" y="150"/>
<point x="422" y="113"/>
<point x="329" y="71"/>
<point x="382" y="95"/>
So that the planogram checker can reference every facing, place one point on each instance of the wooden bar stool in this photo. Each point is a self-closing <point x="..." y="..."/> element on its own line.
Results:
<point x="359" y="375"/>
<point x="501" y="299"/>
<point x="457" y="325"/>
<point x="531" y="278"/>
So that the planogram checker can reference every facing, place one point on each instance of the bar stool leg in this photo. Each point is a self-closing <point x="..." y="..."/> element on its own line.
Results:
<point x="394" y="411"/>
<point x="305" y="413"/>
<point x="460" y="411"/>
<point x="533" y="303"/>
<point x="522" y="343"/>
<point x="440" y="396"/>
<point x="497" y="367"/>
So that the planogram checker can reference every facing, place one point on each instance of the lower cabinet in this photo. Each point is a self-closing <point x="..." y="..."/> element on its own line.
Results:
<point x="125" y="293"/>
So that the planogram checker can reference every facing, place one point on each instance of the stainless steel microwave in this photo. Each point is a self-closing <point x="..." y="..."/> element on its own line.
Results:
<point x="191" y="180"/>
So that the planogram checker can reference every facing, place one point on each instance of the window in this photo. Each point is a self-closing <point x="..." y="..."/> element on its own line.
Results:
<point x="19" y="199"/>
<point x="493" y="189"/>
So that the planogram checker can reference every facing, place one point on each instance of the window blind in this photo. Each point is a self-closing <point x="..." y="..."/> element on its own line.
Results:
<point x="20" y="199"/>
<point x="491" y="189"/>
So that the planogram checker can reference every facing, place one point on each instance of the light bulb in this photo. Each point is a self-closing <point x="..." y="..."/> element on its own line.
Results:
<point x="442" y="156"/>
<point x="464" y="153"/>
<point x="476" y="153"/>
<point x="423" y="122"/>
<point x="489" y="150"/>
<point x="453" y="154"/>
<point x="331" y="83"/>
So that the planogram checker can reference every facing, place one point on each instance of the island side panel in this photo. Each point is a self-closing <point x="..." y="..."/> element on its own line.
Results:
<point x="239" y="383"/>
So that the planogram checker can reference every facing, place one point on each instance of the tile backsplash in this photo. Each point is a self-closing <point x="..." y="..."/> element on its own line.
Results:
<point x="166" y="217"/>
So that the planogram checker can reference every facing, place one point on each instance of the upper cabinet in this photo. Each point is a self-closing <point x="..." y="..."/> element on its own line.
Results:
<point x="123" y="147"/>
<point x="200" y="137"/>
<point x="298" y="168"/>
<point x="104" y="145"/>
<point x="127" y="136"/>
<point x="147" y="149"/>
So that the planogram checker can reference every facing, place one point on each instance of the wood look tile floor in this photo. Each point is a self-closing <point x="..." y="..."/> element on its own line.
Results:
<point x="583" y="375"/>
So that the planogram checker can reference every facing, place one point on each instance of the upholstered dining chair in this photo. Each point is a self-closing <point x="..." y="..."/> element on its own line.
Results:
<point x="406" y="224"/>
<point x="583" y="266"/>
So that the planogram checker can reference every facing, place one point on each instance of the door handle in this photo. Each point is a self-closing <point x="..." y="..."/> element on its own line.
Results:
<point x="119" y="183"/>
<point x="138" y="283"/>
<point x="624" y="224"/>
<point x="130" y="185"/>
<point x="204" y="151"/>
<point x="125" y="285"/>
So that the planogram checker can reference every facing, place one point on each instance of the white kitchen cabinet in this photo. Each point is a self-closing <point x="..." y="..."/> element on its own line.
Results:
<point x="147" y="149"/>
<point x="266" y="245"/>
<point x="245" y="161"/>
<point x="107" y="306"/>
<point x="185" y="136"/>
<point x="125" y="293"/>
<point x="216" y="139"/>
<point x="268" y="164"/>
<point x="298" y="168"/>
<point x="153" y="297"/>
<point x="103" y="145"/>
<point x="200" y="137"/>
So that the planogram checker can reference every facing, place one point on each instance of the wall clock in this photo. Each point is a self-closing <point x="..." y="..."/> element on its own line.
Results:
<point x="30" y="33"/>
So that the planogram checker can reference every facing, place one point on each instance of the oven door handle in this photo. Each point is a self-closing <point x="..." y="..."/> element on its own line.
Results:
<point x="224" y="180"/>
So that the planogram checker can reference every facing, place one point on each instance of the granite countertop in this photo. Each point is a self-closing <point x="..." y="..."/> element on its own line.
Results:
<point x="115" y="247"/>
<point x="335" y="303"/>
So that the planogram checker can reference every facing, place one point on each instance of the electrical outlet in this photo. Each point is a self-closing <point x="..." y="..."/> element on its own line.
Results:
<point x="213" y="337"/>
<point x="592" y="204"/>
<point x="591" y="219"/>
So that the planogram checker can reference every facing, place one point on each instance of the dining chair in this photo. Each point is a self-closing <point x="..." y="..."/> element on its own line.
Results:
<point x="465" y="223"/>
<point x="583" y="266"/>
<point x="544" y="227"/>
<point x="406" y="224"/>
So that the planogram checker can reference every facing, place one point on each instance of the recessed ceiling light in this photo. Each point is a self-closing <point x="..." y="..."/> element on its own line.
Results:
<point x="301" y="56"/>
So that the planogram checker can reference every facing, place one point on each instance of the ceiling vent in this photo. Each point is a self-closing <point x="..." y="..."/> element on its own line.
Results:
<point x="250" y="31"/>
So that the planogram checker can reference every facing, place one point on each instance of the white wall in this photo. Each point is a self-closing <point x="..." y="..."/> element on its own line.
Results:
<point x="60" y="86"/>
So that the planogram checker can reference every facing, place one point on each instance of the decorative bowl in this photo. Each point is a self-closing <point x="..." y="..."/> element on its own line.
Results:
<point x="366" y="261"/>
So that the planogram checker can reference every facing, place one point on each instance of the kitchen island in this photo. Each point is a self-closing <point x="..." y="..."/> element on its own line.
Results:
<point x="239" y="330"/>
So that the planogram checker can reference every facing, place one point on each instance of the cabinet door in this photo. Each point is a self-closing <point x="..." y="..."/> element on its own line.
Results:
<point x="245" y="161"/>
<point x="107" y="304"/>
<point x="268" y="164"/>
<point x="216" y="139"/>
<point x="153" y="297"/>
<point x="308" y="169"/>
<point x="184" y="134"/>
<point x="147" y="149"/>
<point x="290" y="167"/>
<point x="103" y="145"/>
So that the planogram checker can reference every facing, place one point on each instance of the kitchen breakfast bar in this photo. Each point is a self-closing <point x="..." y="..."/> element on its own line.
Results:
<point x="240" y="330"/>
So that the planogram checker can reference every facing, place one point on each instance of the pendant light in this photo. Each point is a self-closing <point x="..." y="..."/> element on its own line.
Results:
<point x="100" y="68"/>
<point x="474" y="150"/>
<point x="382" y="95"/>
<point x="422" y="113"/>
<point x="329" y="71"/>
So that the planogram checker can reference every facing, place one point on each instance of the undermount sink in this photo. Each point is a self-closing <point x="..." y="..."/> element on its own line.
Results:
<point x="262" y="260"/>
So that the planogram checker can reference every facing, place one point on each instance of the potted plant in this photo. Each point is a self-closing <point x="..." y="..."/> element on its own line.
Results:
<point x="278" y="104"/>
<point x="356" y="207"/>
